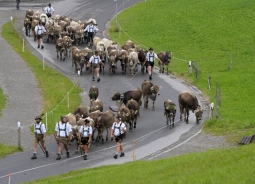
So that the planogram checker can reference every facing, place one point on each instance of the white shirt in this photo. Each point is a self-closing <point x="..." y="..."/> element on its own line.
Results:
<point x="118" y="128"/>
<point x="48" y="10"/>
<point x="95" y="59"/>
<point x="91" y="29"/>
<point x="151" y="56"/>
<point x="39" y="128"/>
<point x="86" y="131"/>
<point x="39" y="30"/>
<point x="63" y="129"/>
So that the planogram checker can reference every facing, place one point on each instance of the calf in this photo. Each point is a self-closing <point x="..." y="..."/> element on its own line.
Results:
<point x="133" y="107"/>
<point x="170" y="111"/>
<point x="93" y="93"/>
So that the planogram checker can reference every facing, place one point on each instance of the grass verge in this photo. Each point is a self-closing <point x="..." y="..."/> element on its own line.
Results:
<point x="2" y="101"/>
<point x="214" y="166"/>
<point x="8" y="149"/>
<point x="207" y="32"/>
<point x="53" y="85"/>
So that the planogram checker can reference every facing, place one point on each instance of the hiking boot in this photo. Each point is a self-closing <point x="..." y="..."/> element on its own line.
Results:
<point x="58" y="157"/>
<point x="42" y="47"/>
<point x="38" y="46"/>
<point x="122" y="154"/>
<point x="115" y="156"/>
<point x="67" y="154"/>
<point x="150" y="77"/>
<point x="93" y="78"/>
<point x="34" y="156"/>
<point x="47" y="153"/>
<point x="85" y="157"/>
<point x="98" y="79"/>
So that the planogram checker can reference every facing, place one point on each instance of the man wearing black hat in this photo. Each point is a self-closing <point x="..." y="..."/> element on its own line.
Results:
<point x="63" y="135"/>
<point x="85" y="136"/>
<point x="117" y="131"/>
<point x="91" y="30"/>
<point x="49" y="10"/>
<point x="40" y="136"/>
<point x="95" y="61"/>
<point x="150" y="58"/>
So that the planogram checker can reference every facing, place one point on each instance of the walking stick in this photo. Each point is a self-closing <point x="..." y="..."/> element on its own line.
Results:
<point x="110" y="143"/>
<point x="41" y="148"/>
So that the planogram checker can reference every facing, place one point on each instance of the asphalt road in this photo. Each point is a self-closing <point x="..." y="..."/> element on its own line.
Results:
<point x="151" y="135"/>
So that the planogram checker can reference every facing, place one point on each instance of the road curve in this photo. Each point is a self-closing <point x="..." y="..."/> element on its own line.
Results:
<point x="152" y="136"/>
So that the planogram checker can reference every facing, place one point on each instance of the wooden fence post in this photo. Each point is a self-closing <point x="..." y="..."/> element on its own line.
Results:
<point x="209" y="82"/>
<point x="19" y="142"/>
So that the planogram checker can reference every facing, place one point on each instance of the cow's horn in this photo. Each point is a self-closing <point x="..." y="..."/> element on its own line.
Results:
<point x="152" y="87"/>
<point x="127" y="114"/>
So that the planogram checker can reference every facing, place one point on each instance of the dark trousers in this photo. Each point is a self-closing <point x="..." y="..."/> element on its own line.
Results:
<point x="90" y="37"/>
<point x="18" y="1"/>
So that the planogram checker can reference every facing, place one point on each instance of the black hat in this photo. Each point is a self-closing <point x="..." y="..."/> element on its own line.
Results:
<point x="150" y="48"/>
<point x="86" y="121"/>
<point x="62" y="117"/>
<point x="118" y="117"/>
<point x="37" y="117"/>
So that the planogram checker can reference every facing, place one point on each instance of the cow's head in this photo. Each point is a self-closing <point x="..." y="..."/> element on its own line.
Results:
<point x="116" y="96"/>
<point x="171" y="108"/>
<point x="93" y="108"/>
<point x="199" y="112"/>
<point x="124" y="115"/>
<point x="154" y="92"/>
<point x="112" y="60"/>
<point x="168" y="56"/>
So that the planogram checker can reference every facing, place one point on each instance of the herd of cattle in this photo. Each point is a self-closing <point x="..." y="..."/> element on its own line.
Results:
<point x="67" y="32"/>
<point x="129" y="109"/>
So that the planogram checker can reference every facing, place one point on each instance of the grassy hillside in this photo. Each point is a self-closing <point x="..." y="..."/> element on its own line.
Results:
<point x="54" y="85"/>
<point x="206" y="32"/>
<point x="233" y="166"/>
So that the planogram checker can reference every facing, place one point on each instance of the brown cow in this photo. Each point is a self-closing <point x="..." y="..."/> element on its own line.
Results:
<point x="170" y="111"/>
<point x="68" y="44"/>
<point x="188" y="101"/>
<point x="80" y="112"/>
<point x="165" y="57"/>
<point x="129" y="44"/>
<point x="27" y="26"/>
<point x="135" y="94"/>
<point x="151" y="91"/>
<point x="133" y="107"/>
<point x="78" y="58"/>
<point x="123" y="57"/>
<point x="112" y="60"/>
<point x="142" y="59"/>
<point x="96" y="105"/>
<point x="93" y="93"/>
<point x="125" y="115"/>
<point x="103" y="120"/>
<point x="60" y="49"/>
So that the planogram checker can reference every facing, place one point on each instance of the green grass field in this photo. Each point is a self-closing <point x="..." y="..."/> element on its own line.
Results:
<point x="206" y="32"/>
<point x="8" y="149"/>
<point x="54" y="86"/>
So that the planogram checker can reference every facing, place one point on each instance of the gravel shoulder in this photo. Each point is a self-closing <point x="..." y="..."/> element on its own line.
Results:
<point x="24" y="102"/>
